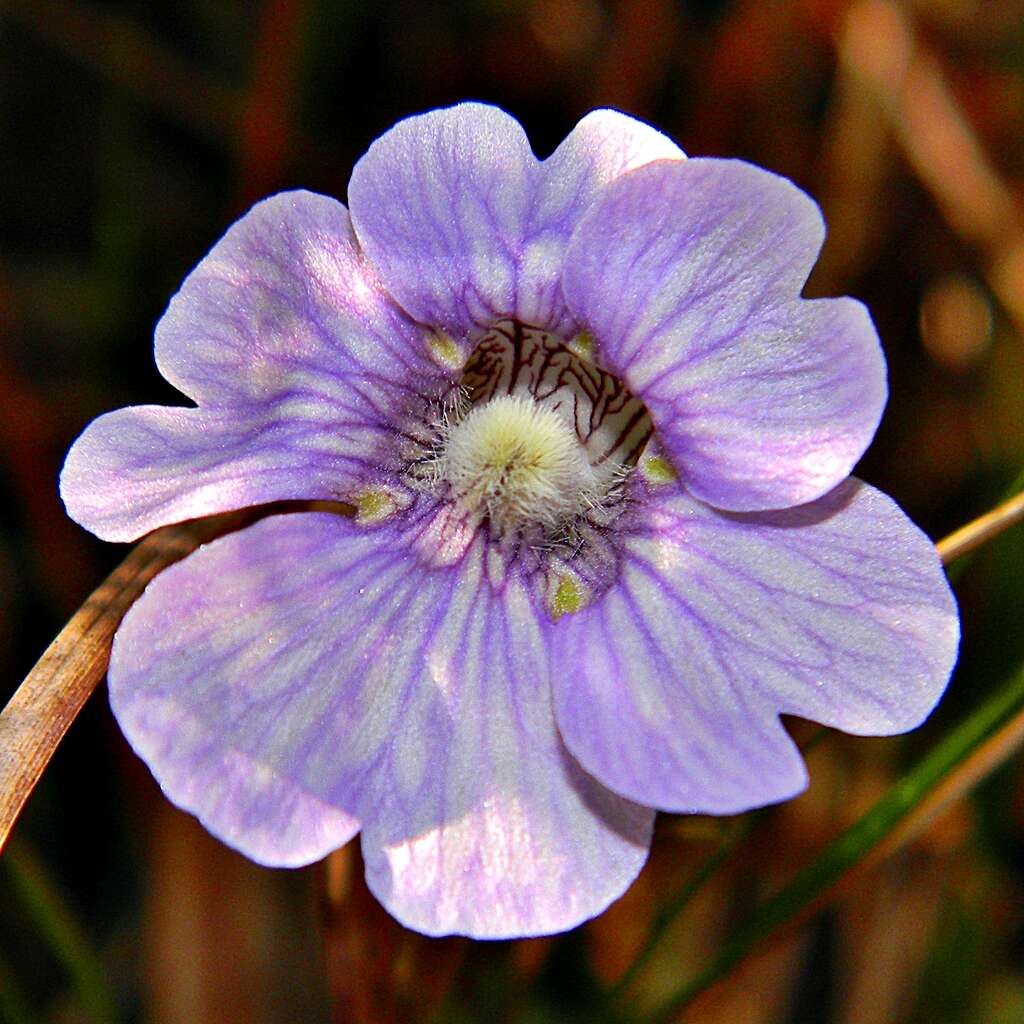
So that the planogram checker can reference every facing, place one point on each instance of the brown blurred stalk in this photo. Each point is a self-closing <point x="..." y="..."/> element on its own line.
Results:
<point x="377" y="971"/>
<point x="881" y="49"/>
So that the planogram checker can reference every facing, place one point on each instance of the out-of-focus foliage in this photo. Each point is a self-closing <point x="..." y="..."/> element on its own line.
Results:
<point x="133" y="133"/>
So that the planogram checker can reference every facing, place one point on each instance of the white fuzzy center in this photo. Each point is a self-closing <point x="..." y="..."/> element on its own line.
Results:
<point x="518" y="462"/>
<point x="535" y="442"/>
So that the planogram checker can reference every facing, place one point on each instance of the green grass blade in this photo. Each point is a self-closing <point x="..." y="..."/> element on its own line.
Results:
<point x="998" y="723"/>
<point x="56" y="924"/>
<point x="678" y="903"/>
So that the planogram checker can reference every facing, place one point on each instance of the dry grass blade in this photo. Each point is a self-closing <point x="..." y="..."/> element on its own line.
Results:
<point x="46" y="703"/>
<point x="52" y="694"/>
<point x="981" y="530"/>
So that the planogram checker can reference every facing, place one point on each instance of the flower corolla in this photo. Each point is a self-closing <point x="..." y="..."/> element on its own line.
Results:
<point x="597" y="449"/>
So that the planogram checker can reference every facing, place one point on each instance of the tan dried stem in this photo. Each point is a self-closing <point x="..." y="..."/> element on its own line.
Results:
<point x="981" y="530"/>
<point x="46" y="703"/>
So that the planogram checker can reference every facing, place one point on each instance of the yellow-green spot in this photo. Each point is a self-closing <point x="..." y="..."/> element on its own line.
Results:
<point x="658" y="470"/>
<point x="582" y="345"/>
<point x="373" y="506"/>
<point x="445" y="351"/>
<point x="568" y="597"/>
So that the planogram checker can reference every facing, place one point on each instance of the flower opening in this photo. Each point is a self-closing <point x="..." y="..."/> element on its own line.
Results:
<point x="538" y="440"/>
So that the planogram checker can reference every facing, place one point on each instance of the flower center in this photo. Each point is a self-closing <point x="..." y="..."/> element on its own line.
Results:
<point x="541" y="439"/>
<point x="518" y="462"/>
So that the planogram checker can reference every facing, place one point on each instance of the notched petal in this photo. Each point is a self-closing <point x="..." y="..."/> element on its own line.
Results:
<point x="467" y="227"/>
<point x="669" y="687"/>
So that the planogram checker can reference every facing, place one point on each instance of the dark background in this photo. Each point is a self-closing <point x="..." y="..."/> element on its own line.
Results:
<point x="133" y="133"/>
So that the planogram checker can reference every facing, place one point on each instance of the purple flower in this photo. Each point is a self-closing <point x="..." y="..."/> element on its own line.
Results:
<point x="598" y="448"/>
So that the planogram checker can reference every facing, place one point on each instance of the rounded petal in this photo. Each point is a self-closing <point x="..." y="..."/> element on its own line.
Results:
<point x="484" y="825"/>
<point x="688" y="275"/>
<point x="302" y="367"/>
<point x="463" y="223"/>
<point x="668" y="689"/>
<point x="293" y="680"/>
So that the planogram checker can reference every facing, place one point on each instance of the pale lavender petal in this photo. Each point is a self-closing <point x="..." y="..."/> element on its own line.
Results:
<point x="224" y="679"/>
<point x="601" y="148"/>
<point x="302" y="367"/>
<point x="669" y="687"/>
<point x="688" y="276"/>
<point x="292" y="680"/>
<point x="484" y="825"/>
<point x="466" y="226"/>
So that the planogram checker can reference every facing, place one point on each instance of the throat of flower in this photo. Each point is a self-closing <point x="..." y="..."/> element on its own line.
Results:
<point x="518" y="463"/>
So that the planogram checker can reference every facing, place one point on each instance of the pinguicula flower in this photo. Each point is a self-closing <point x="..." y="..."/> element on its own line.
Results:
<point x="597" y="449"/>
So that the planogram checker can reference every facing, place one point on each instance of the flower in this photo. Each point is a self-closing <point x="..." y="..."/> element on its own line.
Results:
<point x="597" y="449"/>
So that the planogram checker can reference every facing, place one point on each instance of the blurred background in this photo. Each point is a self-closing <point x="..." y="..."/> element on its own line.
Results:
<point x="132" y="134"/>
